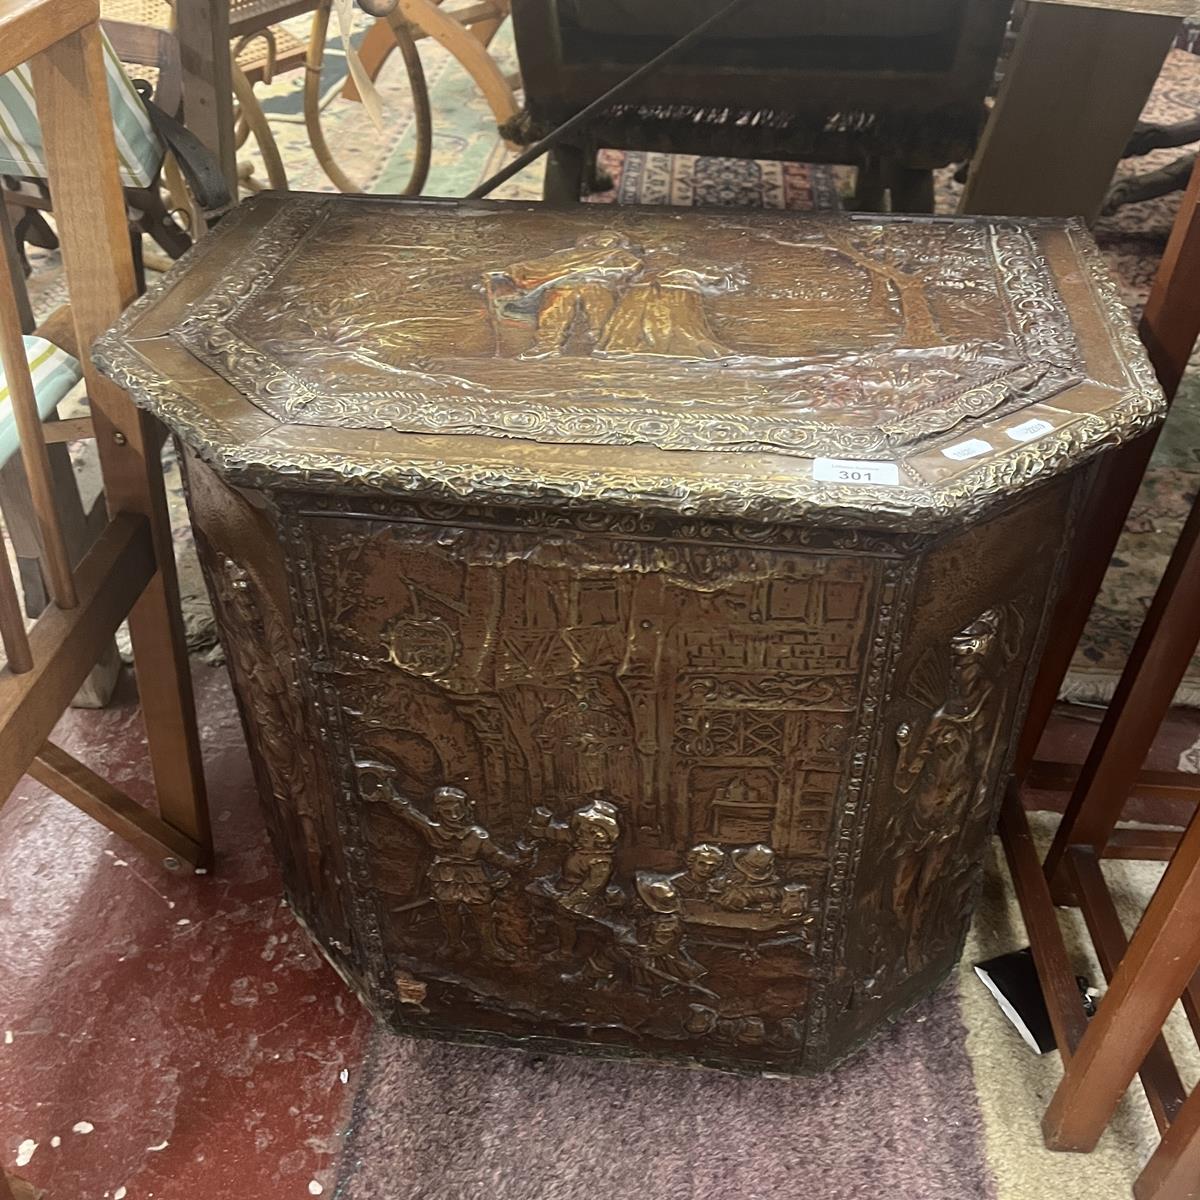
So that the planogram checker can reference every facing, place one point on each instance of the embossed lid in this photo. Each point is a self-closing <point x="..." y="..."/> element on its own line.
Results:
<point x="880" y="371"/>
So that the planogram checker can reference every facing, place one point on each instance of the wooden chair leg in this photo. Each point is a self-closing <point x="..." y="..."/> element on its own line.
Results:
<point x="1163" y="955"/>
<point x="565" y="169"/>
<point x="75" y="120"/>
<point x="869" y="187"/>
<point x="1156" y="665"/>
<point x="911" y="189"/>
<point x="1173" y="1172"/>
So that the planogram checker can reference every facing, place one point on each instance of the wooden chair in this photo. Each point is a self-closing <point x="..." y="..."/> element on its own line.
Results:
<point x="145" y="158"/>
<point x="1159" y="965"/>
<point x="896" y="89"/>
<point x="129" y="573"/>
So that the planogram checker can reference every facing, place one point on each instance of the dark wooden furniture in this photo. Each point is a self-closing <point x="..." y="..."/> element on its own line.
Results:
<point x="631" y="610"/>
<point x="896" y="89"/>
<point x="1159" y="965"/>
<point x="1073" y="88"/>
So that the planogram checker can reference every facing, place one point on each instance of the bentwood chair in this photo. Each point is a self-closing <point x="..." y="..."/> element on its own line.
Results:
<point x="129" y="573"/>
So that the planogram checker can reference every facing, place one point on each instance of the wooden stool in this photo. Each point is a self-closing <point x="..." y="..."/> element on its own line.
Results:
<point x="1148" y="974"/>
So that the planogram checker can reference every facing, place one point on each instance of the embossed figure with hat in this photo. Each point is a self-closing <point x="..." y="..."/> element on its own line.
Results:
<point x="580" y="887"/>
<point x="468" y="866"/>
<point x="569" y="291"/>
<point x="650" y="954"/>
<point x="752" y="884"/>
<point x="944" y="770"/>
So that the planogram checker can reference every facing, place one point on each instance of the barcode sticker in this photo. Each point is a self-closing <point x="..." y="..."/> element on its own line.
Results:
<point x="1028" y="430"/>
<point x="848" y="470"/>
<point x="969" y="449"/>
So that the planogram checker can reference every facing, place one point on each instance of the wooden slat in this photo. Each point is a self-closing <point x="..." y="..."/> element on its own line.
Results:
<point x="1156" y="665"/>
<point x="1062" y="777"/>
<point x="1170" y="321"/>
<point x="12" y="622"/>
<point x="27" y="27"/>
<point x="1054" y="968"/>
<point x="66" y="643"/>
<point x="59" y="328"/>
<point x="73" y="429"/>
<point x="1160" y="1077"/>
<point x="203" y="32"/>
<point x="1161" y="959"/>
<point x="1072" y="92"/>
<point x="89" y="210"/>
<point x="56" y="559"/>
<point x="1114" y="483"/>
<point x="1154" y="845"/>
<point x="79" y="784"/>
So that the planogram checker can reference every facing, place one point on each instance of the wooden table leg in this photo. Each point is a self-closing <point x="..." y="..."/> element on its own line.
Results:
<point x="1162" y="957"/>
<point x="1073" y="91"/>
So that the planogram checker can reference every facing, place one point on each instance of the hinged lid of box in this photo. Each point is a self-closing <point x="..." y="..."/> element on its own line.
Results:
<point x="888" y="371"/>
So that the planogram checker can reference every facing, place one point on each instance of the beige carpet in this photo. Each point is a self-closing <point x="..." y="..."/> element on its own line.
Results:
<point x="1014" y="1085"/>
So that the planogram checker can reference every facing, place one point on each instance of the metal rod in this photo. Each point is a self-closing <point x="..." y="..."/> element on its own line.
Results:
<point x="572" y="123"/>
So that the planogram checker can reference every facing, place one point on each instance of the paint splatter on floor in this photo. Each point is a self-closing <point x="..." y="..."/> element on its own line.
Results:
<point x="172" y="1036"/>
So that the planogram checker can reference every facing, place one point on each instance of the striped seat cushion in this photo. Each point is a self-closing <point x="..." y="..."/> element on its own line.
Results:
<point x="138" y="149"/>
<point x="54" y="372"/>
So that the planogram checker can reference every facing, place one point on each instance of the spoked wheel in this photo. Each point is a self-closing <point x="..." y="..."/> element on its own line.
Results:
<point x="416" y="81"/>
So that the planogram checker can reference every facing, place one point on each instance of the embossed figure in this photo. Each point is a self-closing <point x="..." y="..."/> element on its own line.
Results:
<point x="467" y="870"/>
<point x="657" y="955"/>
<point x="752" y="884"/>
<point x="943" y="771"/>
<point x="570" y="290"/>
<point x="651" y="952"/>
<point x="700" y="878"/>
<point x="580" y="889"/>
<point x="661" y="312"/>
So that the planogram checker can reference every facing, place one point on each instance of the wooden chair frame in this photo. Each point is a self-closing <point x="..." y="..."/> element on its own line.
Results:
<point x="1159" y="965"/>
<point x="129" y="573"/>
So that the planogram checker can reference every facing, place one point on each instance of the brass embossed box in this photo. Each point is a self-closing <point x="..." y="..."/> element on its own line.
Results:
<point x="631" y="611"/>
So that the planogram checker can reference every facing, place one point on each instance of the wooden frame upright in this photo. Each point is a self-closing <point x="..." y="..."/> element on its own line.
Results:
<point x="130" y="571"/>
<point x="1159" y="965"/>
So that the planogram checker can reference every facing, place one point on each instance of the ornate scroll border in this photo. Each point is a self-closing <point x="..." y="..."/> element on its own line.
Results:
<point x="759" y="496"/>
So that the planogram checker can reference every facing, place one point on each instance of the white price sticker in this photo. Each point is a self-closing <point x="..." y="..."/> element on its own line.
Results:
<point x="969" y="449"/>
<point x="848" y="470"/>
<point x="1028" y="430"/>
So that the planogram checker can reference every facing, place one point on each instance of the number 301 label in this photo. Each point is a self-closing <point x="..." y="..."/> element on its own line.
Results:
<point x="848" y="470"/>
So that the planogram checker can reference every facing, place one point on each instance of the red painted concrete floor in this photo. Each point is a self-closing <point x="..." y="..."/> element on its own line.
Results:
<point x="177" y="1036"/>
<point x="163" y="1036"/>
